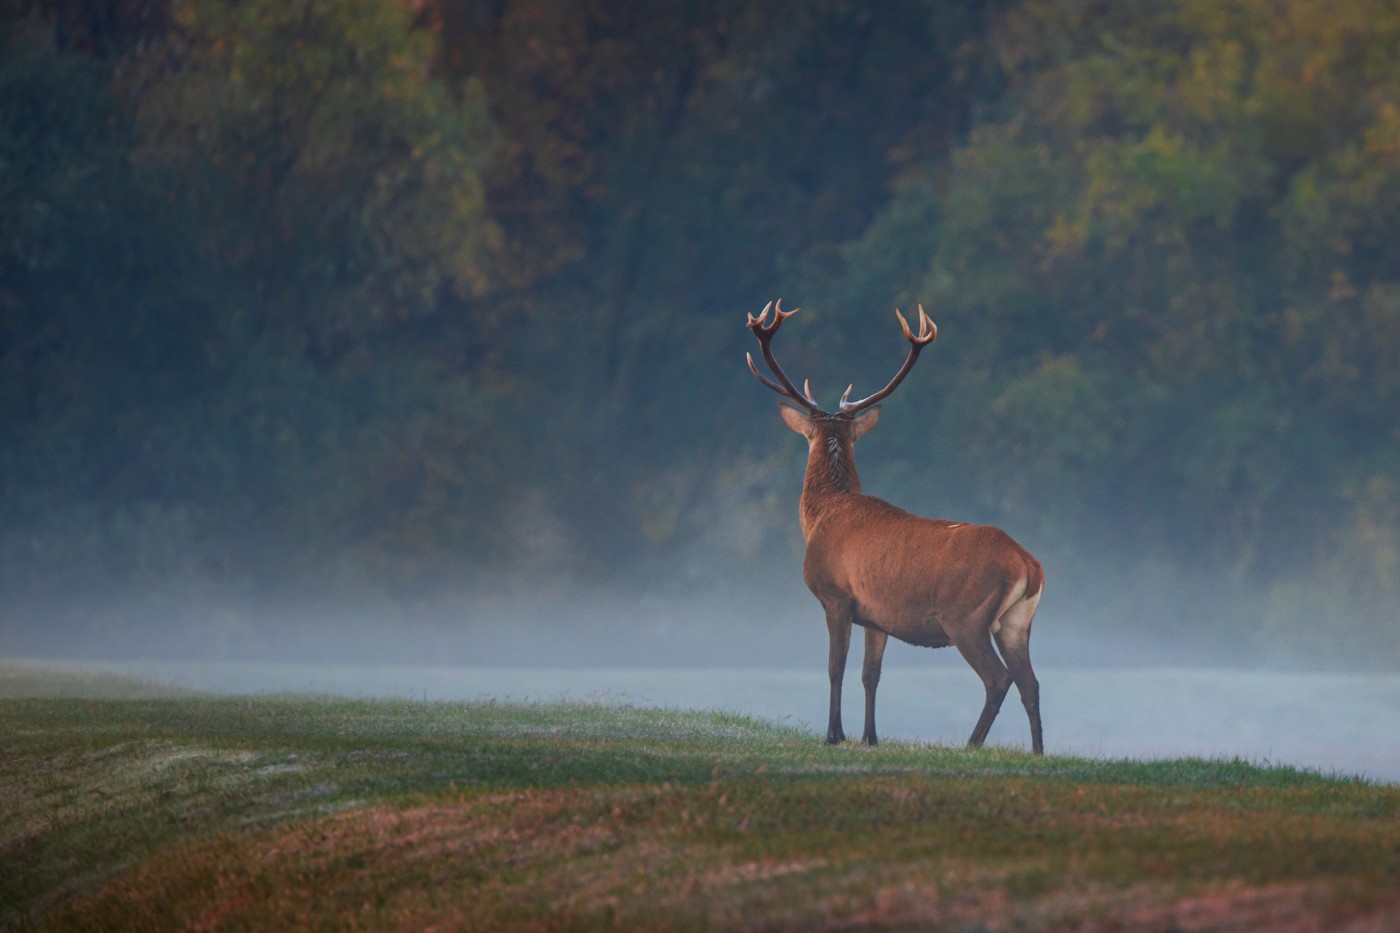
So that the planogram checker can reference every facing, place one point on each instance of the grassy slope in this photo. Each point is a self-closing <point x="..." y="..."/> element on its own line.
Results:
<point x="148" y="811"/>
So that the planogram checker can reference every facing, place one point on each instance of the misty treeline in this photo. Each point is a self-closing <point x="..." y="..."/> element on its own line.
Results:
<point x="315" y="299"/>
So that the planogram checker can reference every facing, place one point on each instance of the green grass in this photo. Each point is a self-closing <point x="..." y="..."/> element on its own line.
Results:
<point x="122" y="807"/>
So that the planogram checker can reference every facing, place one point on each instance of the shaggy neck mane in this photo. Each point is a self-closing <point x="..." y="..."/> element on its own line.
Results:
<point x="832" y="466"/>
<point x="838" y="462"/>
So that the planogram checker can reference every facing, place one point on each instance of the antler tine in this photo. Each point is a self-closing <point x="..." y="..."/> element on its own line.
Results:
<point x="925" y="321"/>
<point x="762" y="378"/>
<point x="928" y="331"/>
<point x="758" y="321"/>
<point x="764" y="333"/>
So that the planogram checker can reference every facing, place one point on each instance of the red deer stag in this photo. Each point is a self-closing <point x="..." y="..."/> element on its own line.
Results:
<point x="925" y="581"/>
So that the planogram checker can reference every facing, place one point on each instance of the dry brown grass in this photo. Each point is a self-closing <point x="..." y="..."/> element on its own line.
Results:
<point x="662" y="857"/>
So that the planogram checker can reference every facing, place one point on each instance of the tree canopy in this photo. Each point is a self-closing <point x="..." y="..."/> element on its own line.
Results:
<point x="365" y="296"/>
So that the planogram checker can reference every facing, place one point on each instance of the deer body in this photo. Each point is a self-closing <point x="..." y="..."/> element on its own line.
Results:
<point x="928" y="582"/>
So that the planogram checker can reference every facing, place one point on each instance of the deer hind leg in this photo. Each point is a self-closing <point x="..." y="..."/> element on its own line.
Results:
<point x="870" y="677"/>
<point x="1014" y="639"/>
<point x="979" y="653"/>
<point x="838" y="628"/>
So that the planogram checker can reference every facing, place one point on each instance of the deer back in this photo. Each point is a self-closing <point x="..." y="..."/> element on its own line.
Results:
<point x="910" y="576"/>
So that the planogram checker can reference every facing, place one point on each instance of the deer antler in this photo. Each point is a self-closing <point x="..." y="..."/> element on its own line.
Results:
<point x="764" y="332"/>
<point x="927" y="332"/>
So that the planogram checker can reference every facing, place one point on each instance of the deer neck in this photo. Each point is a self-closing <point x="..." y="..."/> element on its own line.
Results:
<point x="831" y="474"/>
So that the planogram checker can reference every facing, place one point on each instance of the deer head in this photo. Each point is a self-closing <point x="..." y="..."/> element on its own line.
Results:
<point x="852" y="419"/>
<point x="831" y="436"/>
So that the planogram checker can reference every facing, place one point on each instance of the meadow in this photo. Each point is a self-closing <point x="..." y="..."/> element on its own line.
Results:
<point x="126" y="805"/>
<point x="1338" y="723"/>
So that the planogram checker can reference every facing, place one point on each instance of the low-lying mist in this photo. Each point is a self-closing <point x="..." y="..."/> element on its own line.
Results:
<point x="760" y="622"/>
<point x="1343" y="723"/>
<point x="1172" y="679"/>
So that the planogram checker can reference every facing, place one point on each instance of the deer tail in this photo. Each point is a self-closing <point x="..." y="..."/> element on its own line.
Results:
<point x="1035" y="577"/>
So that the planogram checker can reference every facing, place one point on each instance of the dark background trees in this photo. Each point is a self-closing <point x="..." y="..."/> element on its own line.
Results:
<point x="414" y="302"/>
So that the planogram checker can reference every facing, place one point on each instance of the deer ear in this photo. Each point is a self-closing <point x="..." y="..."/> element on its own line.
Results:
<point x="865" y="421"/>
<point x="795" y="419"/>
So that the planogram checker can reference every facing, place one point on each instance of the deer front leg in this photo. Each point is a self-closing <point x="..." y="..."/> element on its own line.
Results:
<point x="870" y="677"/>
<point x="838" y="627"/>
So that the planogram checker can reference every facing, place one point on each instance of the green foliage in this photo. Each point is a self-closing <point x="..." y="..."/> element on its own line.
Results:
<point x="232" y="308"/>
<point x="361" y="293"/>
<point x="1165" y="262"/>
<point x="662" y="169"/>
<point x="343" y="173"/>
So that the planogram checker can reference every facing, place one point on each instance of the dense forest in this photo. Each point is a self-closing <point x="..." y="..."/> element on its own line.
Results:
<point x="411" y="301"/>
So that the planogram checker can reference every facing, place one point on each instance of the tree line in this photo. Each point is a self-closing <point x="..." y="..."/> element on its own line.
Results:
<point x="335" y="295"/>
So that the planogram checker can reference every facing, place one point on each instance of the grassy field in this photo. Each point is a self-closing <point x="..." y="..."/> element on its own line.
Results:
<point x="126" y="806"/>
